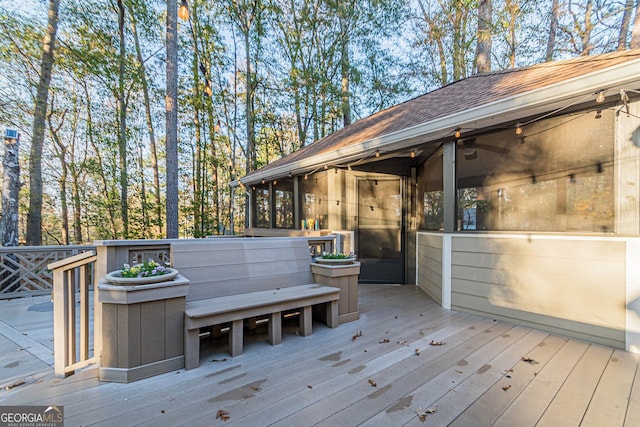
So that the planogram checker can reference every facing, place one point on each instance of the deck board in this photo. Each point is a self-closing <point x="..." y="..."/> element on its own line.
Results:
<point x="609" y="403"/>
<point x="529" y="406"/>
<point x="571" y="401"/>
<point x="323" y="379"/>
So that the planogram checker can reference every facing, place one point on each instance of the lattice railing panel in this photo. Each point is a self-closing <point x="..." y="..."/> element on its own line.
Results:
<point x="23" y="269"/>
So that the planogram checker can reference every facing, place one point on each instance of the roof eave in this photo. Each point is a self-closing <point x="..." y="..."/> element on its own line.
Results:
<point x="537" y="101"/>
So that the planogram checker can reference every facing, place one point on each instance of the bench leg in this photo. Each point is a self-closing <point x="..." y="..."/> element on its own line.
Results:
<point x="332" y="314"/>
<point x="192" y="348"/>
<point x="306" y="321"/>
<point x="275" y="328"/>
<point x="235" y="338"/>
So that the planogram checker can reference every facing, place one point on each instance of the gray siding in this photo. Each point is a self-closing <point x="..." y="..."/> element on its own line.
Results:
<point x="429" y="259"/>
<point x="567" y="285"/>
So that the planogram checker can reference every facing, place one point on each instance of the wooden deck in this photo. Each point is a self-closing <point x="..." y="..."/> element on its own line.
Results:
<point x="377" y="371"/>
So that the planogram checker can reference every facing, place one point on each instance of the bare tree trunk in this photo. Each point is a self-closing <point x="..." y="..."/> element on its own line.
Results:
<point x="61" y="150"/>
<point x="553" y="28"/>
<point x="9" y="221"/>
<point x="624" y="25"/>
<point x="251" y="132"/>
<point x="34" y="216"/>
<point x="143" y="195"/>
<point x="10" y="192"/>
<point x="105" y="187"/>
<point x="635" y="32"/>
<point x="483" y="52"/>
<point x="152" y="138"/>
<point x="122" y="121"/>
<point x="171" y="112"/>
<point x="345" y="65"/>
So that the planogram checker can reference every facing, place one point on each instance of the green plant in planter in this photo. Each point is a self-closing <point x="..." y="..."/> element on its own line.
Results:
<point x="146" y="269"/>
<point x="336" y="255"/>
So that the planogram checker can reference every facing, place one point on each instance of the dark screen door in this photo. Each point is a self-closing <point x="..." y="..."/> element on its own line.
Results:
<point x="380" y="230"/>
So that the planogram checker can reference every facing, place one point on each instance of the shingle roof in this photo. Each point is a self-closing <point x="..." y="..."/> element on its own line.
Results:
<point x="458" y="96"/>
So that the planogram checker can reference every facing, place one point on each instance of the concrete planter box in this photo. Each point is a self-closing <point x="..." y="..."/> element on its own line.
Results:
<point x="344" y="277"/>
<point x="142" y="329"/>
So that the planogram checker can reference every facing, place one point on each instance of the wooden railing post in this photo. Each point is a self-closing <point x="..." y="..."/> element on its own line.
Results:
<point x="68" y="274"/>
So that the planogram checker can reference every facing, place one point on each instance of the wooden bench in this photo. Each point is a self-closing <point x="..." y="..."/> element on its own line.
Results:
<point x="243" y="278"/>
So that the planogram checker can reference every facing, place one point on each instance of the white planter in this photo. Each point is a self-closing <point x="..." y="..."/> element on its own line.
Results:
<point x="115" y="277"/>
<point x="335" y="261"/>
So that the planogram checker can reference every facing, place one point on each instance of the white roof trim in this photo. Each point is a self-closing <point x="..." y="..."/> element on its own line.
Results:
<point x="537" y="101"/>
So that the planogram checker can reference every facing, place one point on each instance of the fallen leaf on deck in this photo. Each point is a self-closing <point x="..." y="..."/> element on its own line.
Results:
<point x="254" y="388"/>
<point x="529" y="360"/>
<point x="402" y="342"/>
<point x="356" y="336"/>
<point x="506" y="387"/>
<point x="436" y="342"/>
<point x="220" y="360"/>
<point x="222" y="414"/>
<point x="422" y="413"/>
<point x="309" y="386"/>
<point x="460" y="372"/>
<point x="373" y="383"/>
<point x="417" y="352"/>
<point x="383" y="341"/>
<point x="15" y="384"/>
<point x="162" y="411"/>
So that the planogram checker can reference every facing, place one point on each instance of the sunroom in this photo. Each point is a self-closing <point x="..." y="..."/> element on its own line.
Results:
<point x="514" y="195"/>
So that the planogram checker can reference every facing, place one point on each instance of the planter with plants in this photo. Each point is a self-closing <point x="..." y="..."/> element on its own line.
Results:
<point x="142" y="321"/>
<point x="340" y="271"/>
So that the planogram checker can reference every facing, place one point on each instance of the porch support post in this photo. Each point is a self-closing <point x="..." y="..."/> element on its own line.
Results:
<point x="297" y="207"/>
<point x="449" y="185"/>
<point x="449" y="189"/>
<point x="272" y="206"/>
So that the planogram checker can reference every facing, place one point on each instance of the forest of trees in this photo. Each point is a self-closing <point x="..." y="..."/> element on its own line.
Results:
<point x="87" y="84"/>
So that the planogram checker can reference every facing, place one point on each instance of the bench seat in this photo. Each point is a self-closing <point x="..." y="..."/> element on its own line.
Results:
<point x="236" y="308"/>
<point x="236" y="279"/>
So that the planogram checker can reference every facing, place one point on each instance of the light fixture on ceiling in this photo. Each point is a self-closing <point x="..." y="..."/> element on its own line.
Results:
<point x="183" y="11"/>
<point x="306" y="177"/>
<point x="377" y="153"/>
<point x="601" y="97"/>
<point x="290" y="174"/>
<point x="275" y="182"/>
<point x="326" y="167"/>
<point x="518" y="129"/>
<point x="413" y="154"/>
<point x="262" y="182"/>
<point x="457" y="133"/>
